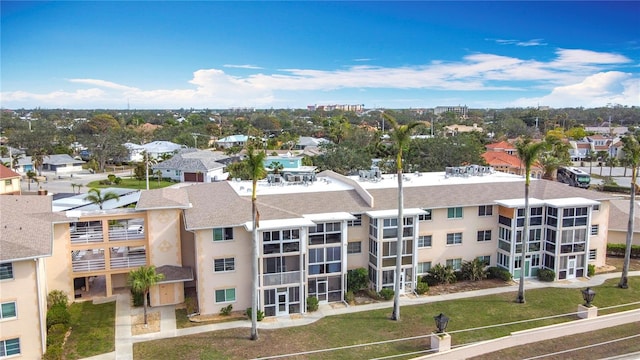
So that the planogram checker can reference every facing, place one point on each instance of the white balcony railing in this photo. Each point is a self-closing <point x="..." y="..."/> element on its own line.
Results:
<point x="131" y="233"/>
<point x="128" y="261"/>
<point x="88" y="265"/>
<point x="290" y="277"/>
<point x="86" y="234"/>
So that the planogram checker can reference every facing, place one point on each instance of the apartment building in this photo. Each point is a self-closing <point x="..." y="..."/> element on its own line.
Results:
<point x="27" y="229"/>
<point x="312" y="233"/>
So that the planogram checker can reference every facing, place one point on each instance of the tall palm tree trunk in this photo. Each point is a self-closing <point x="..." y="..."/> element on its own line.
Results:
<point x="255" y="273"/>
<point x="627" y="251"/>
<point x="525" y="240"/>
<point x="398" y="285"/>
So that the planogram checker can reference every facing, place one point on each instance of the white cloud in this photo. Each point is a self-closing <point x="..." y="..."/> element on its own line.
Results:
<point x="532" y="42"/>
<point x="251" y="67"/>
<point x="612" y="87"/>
<point x="573" y="78"/>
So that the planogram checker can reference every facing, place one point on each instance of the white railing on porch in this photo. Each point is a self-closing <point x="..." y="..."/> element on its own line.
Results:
<point x="88" y="265"/>
<point x="128" y="261"/>
<point x="281" y="278"/>
<point x="86" y="234"/>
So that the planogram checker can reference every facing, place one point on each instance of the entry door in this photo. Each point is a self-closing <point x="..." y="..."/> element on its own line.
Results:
<point x="282" y="299"/>
<point x="527" y="267"/>
<point x="322" y="290"/>
<point x="571" y="271"/>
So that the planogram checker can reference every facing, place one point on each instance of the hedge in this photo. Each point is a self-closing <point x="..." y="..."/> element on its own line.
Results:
<point x="619" y="249"/>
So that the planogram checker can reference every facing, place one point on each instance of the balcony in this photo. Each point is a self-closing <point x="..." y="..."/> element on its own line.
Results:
<point x="90" y="260"/>
<point x="131" y="232"/>
<point x="290" y="277"/>
<point x="86" y="234"/>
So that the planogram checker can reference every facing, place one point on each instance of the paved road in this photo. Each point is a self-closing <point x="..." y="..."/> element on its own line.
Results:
<point x="62" y="184"/>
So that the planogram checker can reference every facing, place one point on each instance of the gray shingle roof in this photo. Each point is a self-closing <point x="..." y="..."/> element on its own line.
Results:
<point x="193" y="161"/>
<point x="217" y="204"/>
<point x="26" y="229"/>
<point x="165" y="198"/>
<point x="619" y="216"/>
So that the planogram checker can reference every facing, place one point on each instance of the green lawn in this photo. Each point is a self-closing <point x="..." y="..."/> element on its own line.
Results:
<point x="131" y="183"/>
<point x="372" y="326"/>
<point x="92" y="329"/>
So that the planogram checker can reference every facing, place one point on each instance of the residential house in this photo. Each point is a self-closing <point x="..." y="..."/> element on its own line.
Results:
<point x="135" y="152"/>
<point x="231" y="141"/>
<point x="28" y="227"/>
<point x="23" y="164"/>
<point x="192" y="165"/>
<point x="502" y="156"/>
<point x="305" y="142"/>
<point x="451" y="130"/>
<point x="9" y="181"/>
<point x="62" y="164"/>
<point x="158" y="149"/>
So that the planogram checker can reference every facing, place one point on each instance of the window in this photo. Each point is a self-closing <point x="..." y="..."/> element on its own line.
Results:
<point x="325" y="233"/>
<point x="356" y="222"/>
<point x="595" y="229"/>
<point x="8" y="310"/>
<point x="454" y="239"/>
<point x="456" y="264"/>
<point x="225" y="295"/>
<point x="424" y="267"/>
<point x="9" y="347"/>
<point x="485" y="210"/>
<point x="7" y="182"/>
<point x="6" y="271"/>
<point x="454" y="213"/>
<point x="484" y="235"/>
<point x="425" y="217"/>
<point x="354" y="247"/>
<point x="503" y="260"/>
<point x="222" y="265"/>
<point x="424" y="241"/>
<point x="222" y="234"/>
<point x="593" y="254"/>
<point x="486" y="260"/>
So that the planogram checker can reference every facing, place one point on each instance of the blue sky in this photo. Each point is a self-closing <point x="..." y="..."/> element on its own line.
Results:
<point x="214" y="54"/>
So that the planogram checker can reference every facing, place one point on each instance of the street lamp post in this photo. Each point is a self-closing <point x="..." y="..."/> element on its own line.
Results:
<point x="440" y="340"/>
<point x="587" y="311"/>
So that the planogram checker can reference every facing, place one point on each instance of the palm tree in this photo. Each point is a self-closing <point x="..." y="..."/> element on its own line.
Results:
<point x="276" y="166"/>
<point x="632" y="152"/>
<point x="141" y="280"/>
<point x="38" y="159"/>
<point x="30" y="175"/>
<point x="95" y="196"/>
<point x="602" y="158"/>
<point x="158" y="174"/>
<point x="611" y="162"/>
<point x="148" y="161"/>
<point x="401" y="136"/>
<point x="255" y="162"/>
<point x="528" y="153"/>
<point x="590" y="154"/>
<point x="14" y="160"/>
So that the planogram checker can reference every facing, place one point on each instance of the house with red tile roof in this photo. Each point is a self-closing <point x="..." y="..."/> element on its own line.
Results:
<point x="9" y="181"/>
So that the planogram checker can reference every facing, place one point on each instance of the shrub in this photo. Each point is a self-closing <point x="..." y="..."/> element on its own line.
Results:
<point x="226" y="311"/>
<point x="357" y="279"/>
<point x="57" y="297"/>
<point x="619" y="249"/>
<point x="54" y="352"/>
<point x="429" y="280"/>
<point x="58" y="315"/>
<point x="546" y="275"/>
<point x="496" y="272"/>
<point x="443" y="274"/>
<point x="422" y="287"/>
<point x="591" y="270"/>
<point x="349" y="297"/>
<point x="118" y="180"/>
<point x="372" y="294"/>
<point x="190" y="305"/>
<point x="387" y="294"/>
<point x="312" y="303"/>
<point x="260" y="314"/>
<point x="473" y="270"/>
<point x="56" y="333"/>
<point x="104" y="182"/>
<point x="138" y="298"/>
<point x="112" y="178"/>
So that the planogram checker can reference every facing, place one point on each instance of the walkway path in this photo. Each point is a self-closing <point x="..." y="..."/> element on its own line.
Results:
<point x="125" y="340"/>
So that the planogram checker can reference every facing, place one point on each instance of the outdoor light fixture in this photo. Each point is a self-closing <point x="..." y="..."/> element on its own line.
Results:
<point x="588" y="295"/>
<point x="441" y="322"/>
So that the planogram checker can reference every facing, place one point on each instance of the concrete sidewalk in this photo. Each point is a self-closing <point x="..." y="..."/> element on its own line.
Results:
<point x="124" y="340"/>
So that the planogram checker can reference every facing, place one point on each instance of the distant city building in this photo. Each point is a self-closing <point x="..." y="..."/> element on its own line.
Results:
<point x="355" y="108"/>
<point x="461" y="111"/>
